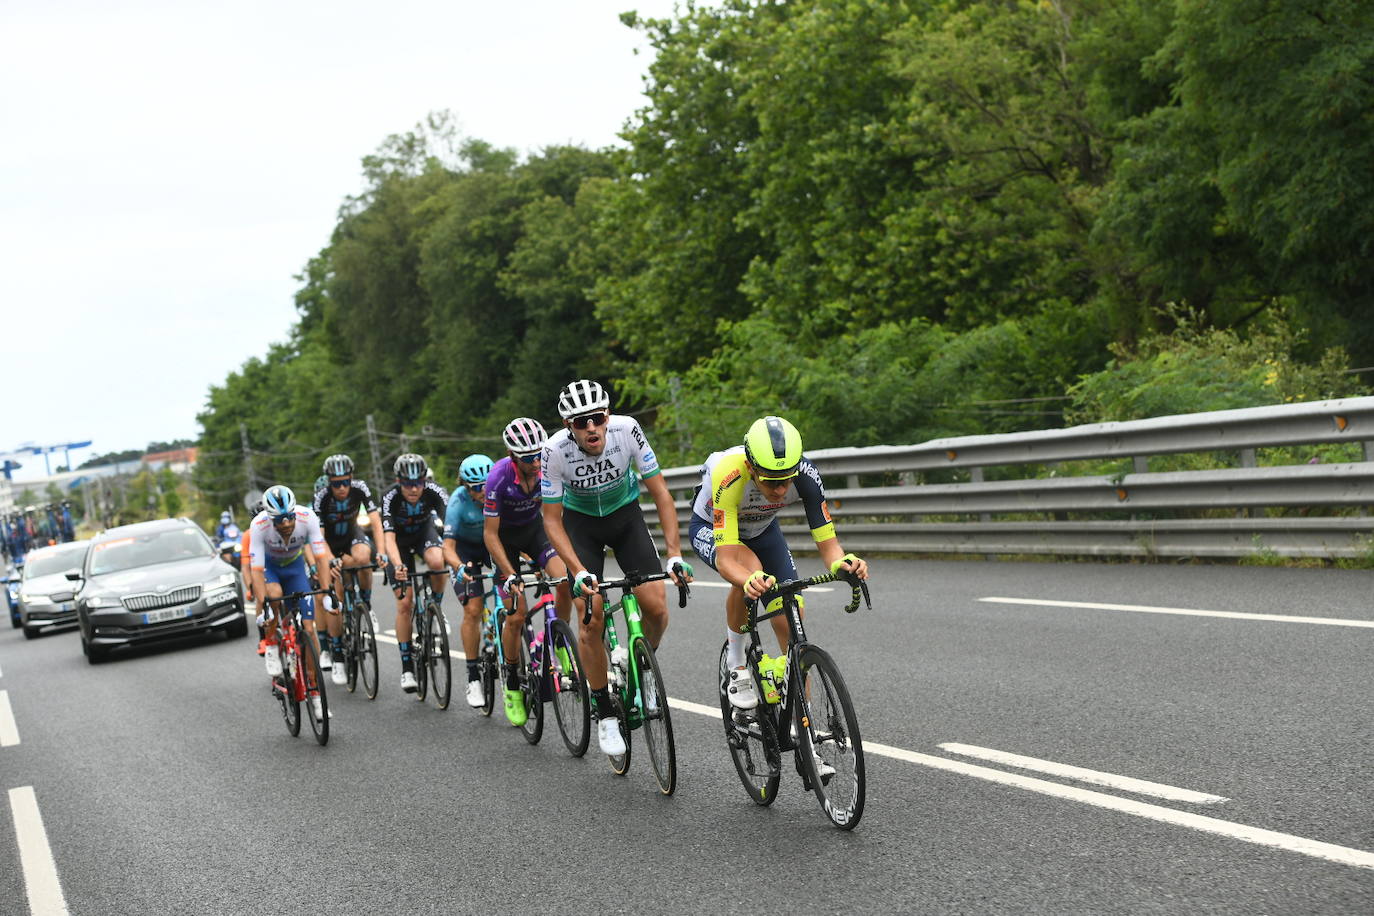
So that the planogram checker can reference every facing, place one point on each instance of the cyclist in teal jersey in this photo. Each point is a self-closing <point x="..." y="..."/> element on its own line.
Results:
<point x="466" y="553"/>
<point x="591" y="474"/>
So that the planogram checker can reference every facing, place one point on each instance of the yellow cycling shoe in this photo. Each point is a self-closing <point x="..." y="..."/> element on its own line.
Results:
<point x="515" y="707"/>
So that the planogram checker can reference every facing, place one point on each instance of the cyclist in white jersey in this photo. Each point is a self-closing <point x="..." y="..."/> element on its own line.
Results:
<point x="591" y="474"/>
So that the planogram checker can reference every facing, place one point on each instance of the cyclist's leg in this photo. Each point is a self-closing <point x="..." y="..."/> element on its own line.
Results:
<point x="405" y="604"/>
<point x="591" y="551"/>
<point x="775" y="558"/>
<point x="635" y="552"/>
<point x="549" y="561"/>
<point x="434" y="560"/>
<point x="365" y="575"/>
<point x="469" y="592"/>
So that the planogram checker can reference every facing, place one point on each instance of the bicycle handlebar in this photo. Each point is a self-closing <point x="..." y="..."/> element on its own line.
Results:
<point x="857" y="587"/>
<point x="633" y="580"/>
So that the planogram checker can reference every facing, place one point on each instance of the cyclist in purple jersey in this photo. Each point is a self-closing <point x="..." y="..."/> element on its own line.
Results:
<point x="513" y="526"/>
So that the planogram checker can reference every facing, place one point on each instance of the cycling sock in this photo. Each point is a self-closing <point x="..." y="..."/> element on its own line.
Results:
<point x="734" y="648"/>
<point x="473" y="673"/>
<point x="337" y="643"/>
<point x="405" y="654"/>
<point x="512" y="678"/>
<point x="604" y="709"/>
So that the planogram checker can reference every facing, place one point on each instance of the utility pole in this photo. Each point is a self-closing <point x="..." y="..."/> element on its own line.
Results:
<point x="247" y="459"/>
<point x="675" y="396"/>
<point x="375" y="449"/>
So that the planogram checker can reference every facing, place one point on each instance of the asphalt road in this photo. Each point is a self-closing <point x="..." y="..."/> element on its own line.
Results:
<point x="167" y="782"/>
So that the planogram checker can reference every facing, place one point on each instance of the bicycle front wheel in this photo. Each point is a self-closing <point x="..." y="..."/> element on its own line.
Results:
<point x="654" y="716"/>
<point x="314" y="690"/>
<point x="351" y="646"/>
<point x="753" y="742"/>
<point x="419" y="648"/>
<point x="490" y="666"/>
<point x="286" y="686"/>
<point x="570" y="697"/>
<point x="440" y="664"/>
<point x="828" y="739"/>
<point x="531" y="690"/>
<point x="367" y="652"/>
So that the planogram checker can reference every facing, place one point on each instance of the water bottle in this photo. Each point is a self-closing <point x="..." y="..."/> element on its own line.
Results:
<point x="767" y="679"/>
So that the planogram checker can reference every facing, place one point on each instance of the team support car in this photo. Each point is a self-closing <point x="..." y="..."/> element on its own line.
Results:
<point x="47" y="598"/>
<point x="152" y="582"/>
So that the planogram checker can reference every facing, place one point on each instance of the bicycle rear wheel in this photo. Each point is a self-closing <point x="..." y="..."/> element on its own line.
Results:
<point x="570" y="697"/>
<point x="290" y="686"/>
<point x="531" y="690"/>
<point x="440" y="664"/>
<point x="314" y="688"/>
<point x="655" y="719"/>
<point x="367" y="652"/>
<point x="753" y="743"/>
<point x="831" y="738"/>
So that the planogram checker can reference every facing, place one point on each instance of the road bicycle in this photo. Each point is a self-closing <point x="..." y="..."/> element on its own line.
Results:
<point x="812" y="716"/>
<point x="301" y="680"/>
<point x="636" y="681"/>
<point x="360" y="632"/>
<point x="550" y="669"/>
<point x="429" y="640"/>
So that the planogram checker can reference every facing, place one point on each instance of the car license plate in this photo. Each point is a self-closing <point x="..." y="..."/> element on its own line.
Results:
<point x="67" y="607"/>
<point x="169" y="613"/>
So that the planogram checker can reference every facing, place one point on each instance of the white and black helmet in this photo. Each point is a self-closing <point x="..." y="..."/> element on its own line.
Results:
<point x="582" y="396"/>
<point x="410" y="466"/>
<point x="279" y="501"/>
<point x="524" y="436"/>
<point x="338" y="466"/>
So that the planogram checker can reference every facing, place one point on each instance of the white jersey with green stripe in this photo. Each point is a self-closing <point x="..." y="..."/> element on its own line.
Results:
<point x="598" y="484"/>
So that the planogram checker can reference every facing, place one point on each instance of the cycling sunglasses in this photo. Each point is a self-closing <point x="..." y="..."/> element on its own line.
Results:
<point x="592" y="419"/>
<point x="529" y="459"/>
<point x="282" y="519"/>
<point x="346" y="482"/>
<point x="476" y="487"/>
<point x="412" y="483"/>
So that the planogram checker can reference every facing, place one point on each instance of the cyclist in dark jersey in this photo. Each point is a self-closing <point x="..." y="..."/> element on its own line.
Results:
<point x="412" y="514"/>
<point x="337" y="506"/>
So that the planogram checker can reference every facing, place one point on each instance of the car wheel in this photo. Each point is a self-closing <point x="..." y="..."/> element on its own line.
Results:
<point x="238" y="629"/>
<point x="15" y="621"/>
<point x="94" y="654"/>
<point x="30" y="633"/>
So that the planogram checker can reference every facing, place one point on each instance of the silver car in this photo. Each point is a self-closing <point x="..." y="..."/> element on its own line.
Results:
<point x="154" y="582"/>
<point x="47" y="598"/>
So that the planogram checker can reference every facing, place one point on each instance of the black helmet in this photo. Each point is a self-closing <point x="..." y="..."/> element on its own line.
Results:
<point x="410" y="467"/>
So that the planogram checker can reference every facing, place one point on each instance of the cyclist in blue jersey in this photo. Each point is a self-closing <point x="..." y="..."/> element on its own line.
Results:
<point x="412" y="512"/>
<point x="465" y="552"/>
<point x="592" y="471"/>
<point x="514" y="527"/>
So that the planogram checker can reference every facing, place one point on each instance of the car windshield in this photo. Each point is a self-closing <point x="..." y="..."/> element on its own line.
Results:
<point x="52" y="562"/>
<point x="146" y="549"/>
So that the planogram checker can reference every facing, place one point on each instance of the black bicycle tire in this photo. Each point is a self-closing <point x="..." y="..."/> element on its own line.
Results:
<point x="350" y="641"/>
<point x="367" y="652"/>
<point x="742" y="744"/>
<point x="571" y="699"/>
<point x="439" y="657"/>
<point x="311" y="657"/>
<point x="291" y="707"/>
<point x="419" y="653"/>
<point x="833" y="691"/>
<point x="662" y="750"/>
<point x="531" y="694"/>
<point x="620" y="763"/>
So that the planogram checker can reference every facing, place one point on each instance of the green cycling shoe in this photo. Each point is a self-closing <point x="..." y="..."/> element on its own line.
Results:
<point x="515" y="707"/>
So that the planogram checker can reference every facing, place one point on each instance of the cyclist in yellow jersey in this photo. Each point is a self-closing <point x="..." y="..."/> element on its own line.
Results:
<point x="734" y="528"/>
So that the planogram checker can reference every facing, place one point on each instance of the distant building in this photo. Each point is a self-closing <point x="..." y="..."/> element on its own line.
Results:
<point x="180" y="460"/>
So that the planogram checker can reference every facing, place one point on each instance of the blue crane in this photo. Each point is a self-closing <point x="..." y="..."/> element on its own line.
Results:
<point x="7" y="464"/>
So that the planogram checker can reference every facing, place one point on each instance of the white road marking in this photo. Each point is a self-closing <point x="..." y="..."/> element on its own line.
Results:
<point x="35" y="856"/>
<point x="1186" y="612"/>
<point x="451" y="653"/>
<point x="1342" y="855"/>
<point x="1095" y="777"/>
<point x="9" y="732"/>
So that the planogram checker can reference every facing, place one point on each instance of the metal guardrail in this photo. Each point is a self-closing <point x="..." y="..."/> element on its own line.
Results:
<point x="892" y="518"/>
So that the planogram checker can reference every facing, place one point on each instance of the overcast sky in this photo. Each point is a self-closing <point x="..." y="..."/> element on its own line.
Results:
<point x="167" y="167"/>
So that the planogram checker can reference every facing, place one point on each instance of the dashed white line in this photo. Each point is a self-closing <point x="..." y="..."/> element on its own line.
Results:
<point x="9" y="732"/>
<point x="1343" y="855"/>
<point x="1095" y="777"/>
<point x="1186" y="612"/>
<point x="35" y="855"/>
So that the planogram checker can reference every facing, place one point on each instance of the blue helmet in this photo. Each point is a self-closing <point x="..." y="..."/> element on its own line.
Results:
<point x="279" y="501"/>
<point x="474" y="469"/>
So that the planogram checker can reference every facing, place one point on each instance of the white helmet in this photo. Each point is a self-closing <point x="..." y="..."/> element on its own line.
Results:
<point x="524" y="436"/>
<point x="582" y="396"/>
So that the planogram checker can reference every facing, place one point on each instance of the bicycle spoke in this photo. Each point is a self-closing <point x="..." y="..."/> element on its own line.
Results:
<point x="830" y="748"/>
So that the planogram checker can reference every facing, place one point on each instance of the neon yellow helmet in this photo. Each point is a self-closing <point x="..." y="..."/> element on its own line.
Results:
<point x="774" y="448"/>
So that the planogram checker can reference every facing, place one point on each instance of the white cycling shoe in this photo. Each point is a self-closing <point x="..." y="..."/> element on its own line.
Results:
<point x="475" y="697"/>
<point x="339" y="675"/>
<point x="741" y="691"/>
<point x="326" y="660"/>
<point x="608" y="737"/>
<point x="408" y="682"/>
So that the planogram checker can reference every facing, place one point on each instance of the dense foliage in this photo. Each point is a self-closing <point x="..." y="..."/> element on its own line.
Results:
<point x="887" y="219"/>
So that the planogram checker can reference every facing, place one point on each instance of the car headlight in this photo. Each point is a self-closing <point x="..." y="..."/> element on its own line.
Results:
<point x="223" y="581"/>
<point x="95" y="601"/>
<point x="35" y="600"/>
